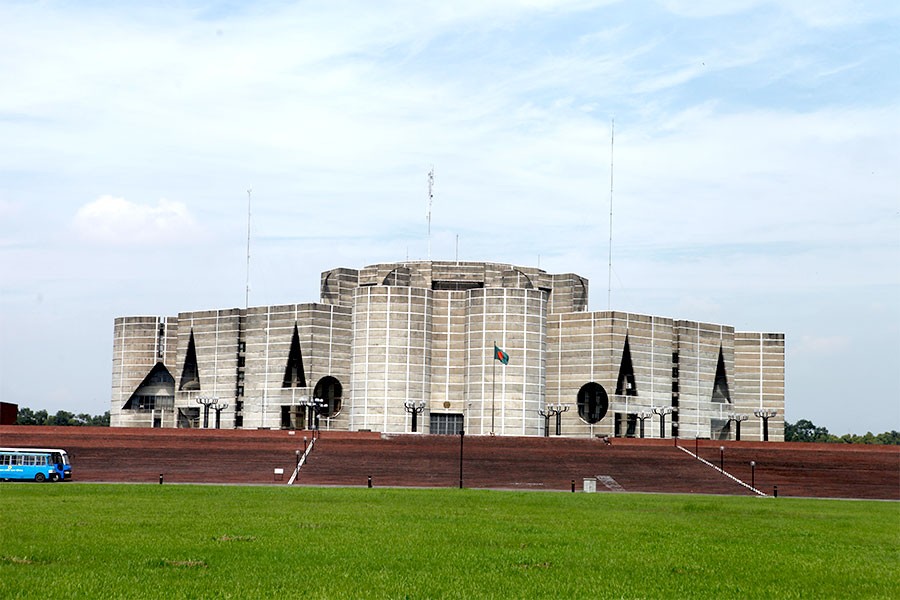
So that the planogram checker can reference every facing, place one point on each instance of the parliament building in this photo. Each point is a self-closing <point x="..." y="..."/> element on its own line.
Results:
<point x="410" y="347"/>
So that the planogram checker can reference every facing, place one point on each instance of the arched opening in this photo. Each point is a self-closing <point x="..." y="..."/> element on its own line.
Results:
<point x="329" y="389"/>
<point x="593" y="402"/>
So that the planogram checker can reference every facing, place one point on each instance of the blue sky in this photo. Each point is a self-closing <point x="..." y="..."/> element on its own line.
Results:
<point x="756" y="168"/>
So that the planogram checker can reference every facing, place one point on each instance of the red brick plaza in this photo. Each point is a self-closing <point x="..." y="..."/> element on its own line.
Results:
<point x="514" y="463"/>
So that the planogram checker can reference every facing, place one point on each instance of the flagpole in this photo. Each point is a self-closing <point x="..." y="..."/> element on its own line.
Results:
<point x="493" y="384"/>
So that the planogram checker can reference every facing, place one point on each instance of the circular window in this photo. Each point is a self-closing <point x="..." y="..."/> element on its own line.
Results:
<point x="329" y="389"/>
<point x="592" y="402"/>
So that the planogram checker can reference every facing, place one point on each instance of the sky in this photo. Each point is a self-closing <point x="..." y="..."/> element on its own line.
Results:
<point x="750" y="151"/>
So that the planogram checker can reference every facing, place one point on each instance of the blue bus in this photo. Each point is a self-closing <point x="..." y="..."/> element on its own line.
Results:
<point x="37" y="464"/>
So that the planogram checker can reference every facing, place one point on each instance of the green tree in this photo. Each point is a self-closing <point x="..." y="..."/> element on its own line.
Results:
<point x="806" y="431"/>
<point x="28" y="416"/>
<point x="888" y="438"/>
<point x="62" y="417"/>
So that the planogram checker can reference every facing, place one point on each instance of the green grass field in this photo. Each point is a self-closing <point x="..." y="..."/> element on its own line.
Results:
<point x="152" y="541"/>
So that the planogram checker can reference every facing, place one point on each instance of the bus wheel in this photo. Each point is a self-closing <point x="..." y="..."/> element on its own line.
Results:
<point x="39" y="477"/>
<point x="54" y="477"/>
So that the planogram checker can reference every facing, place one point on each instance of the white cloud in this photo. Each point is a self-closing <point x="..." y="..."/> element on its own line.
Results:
<point x="111" y="220"/>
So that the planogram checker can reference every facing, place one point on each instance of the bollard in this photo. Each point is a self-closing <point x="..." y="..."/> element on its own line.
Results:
<point x="775" y="492"/>
<point x="370" y="481"/>
<point x="160" y="478"/>
<point x="573" y="486"/>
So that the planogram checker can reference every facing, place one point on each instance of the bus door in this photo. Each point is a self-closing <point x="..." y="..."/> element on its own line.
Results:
<point x="60" y="462"/>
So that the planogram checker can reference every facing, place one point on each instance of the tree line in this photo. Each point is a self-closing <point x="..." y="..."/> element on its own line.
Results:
<point x="63" y="417"/>
<point x="806" y="431"/>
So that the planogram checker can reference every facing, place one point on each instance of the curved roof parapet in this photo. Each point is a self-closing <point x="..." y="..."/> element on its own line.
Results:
<point x="515" y="277"/>
<point x="397" y="276"/>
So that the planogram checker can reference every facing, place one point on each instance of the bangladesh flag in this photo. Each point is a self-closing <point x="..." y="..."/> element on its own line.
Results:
<point x="500" y="355"/>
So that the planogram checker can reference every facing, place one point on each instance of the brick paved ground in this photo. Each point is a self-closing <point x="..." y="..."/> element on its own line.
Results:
<point x="251" y="456"/>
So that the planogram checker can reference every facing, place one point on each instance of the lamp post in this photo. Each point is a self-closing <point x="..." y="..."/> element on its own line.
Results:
<point x="643" y="415"/>
<point x="560" y="409"/>
<point x="547" y="414"/>
<point x="219" y="408"/>
<point x="765" y="414"/>
<point x="662" y="411"/>
<point x="319" y="407"/>
<point x="722" y="458"/>
<point x="753" y="474"/>
<point x="207" y="401"/>
<point x="738" y="419"/>
<point x="415" y="410"/>
<point x="315" y="407"/>
<point x="462" y="435"/>
<point x="553" y="411"/>
<point x="559" y="413"/>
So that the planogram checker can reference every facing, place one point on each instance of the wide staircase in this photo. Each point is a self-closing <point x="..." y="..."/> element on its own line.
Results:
<point x="517" y="463"/>
<point x="512" y="463"/>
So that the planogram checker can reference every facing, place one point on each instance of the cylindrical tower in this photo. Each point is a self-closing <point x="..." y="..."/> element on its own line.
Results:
<point x="390" y="356"/>
<point x="506" y="399"/>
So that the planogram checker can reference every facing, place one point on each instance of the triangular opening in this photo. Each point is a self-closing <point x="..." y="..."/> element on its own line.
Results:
<point x="190" y="375"/>
<point x="625" y="385"/>
<point x="156" y="391"/>
<point x="294" y="375"/>
<point x="720" y="387"/>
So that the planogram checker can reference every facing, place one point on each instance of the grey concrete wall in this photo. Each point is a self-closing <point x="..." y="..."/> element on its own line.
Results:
<point x="505" y="398"/>
<point x="424" y="331"/>
<point x="139" y="343"/>
<point x="391" y="356"/>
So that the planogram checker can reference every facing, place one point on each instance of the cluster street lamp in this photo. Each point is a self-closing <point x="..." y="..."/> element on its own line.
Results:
<point x="462" y="435"/>
<point x="738" y="419"/>
<point x="415" y="409"/>
<point x="219" y="408"/>
<point x="315" y="408"/>
<point x="662" y="411"/>
<point x="553" y="410"/>
<point x="765" y="414"/>
<point x="207" y="401"/>
<point x="643" y="415"/>
<point x="546" y="416"/>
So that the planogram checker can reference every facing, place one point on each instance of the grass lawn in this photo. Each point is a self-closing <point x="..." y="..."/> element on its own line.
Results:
<point x="181" y="541"/>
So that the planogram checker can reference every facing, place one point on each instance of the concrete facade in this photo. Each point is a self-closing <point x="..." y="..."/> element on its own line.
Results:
<point x="392" y="338"/>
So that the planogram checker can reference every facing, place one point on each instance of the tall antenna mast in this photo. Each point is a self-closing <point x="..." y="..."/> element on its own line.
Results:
<point x="612" y="138"/>
<point x="247" y="296"/>
<point x="430" y="199"/>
